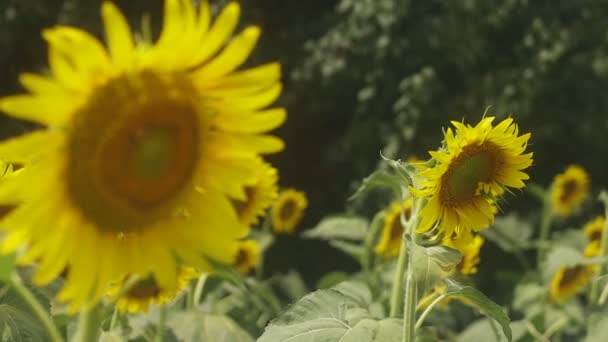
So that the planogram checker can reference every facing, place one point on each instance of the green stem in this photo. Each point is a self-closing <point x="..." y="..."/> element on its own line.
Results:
<point x="593" y="295"/>
<point x="545" y="231"/>
<point x="87" y="331"/>
<point x="411" y="296"/>
<point x="266" y="229"/>
<point x="428" y="310"/>
<point x="114" y="320"/>
<point x="409" y="307"/>
<point x="40" y="313"/>
<point x="198" y="290"/>
<point x="160" y="328"/>
<point x="367" y="259"/>
<point x="397" y="291"/>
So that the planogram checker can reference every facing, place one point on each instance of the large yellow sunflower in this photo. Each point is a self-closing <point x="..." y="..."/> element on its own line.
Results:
<point x="288" y="210"/>
<point x="476" y="165"/>
<point x="147" y="291"/>
<point x="392" y="231"/>
<point x="146" y="145"/>
<point x="594" y="231"/>
<point x="568" y="281"/>
<point x="260" y="195"/>
<point x="569" y="190"/>
<point x="469" y="246"/>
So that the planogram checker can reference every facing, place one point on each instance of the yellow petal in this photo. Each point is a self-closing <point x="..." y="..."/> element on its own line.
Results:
<point x="118" y="35"/>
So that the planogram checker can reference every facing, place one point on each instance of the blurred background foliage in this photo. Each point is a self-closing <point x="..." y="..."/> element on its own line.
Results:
<point x="364" y="76"/>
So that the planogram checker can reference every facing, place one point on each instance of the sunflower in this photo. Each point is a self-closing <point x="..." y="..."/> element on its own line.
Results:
<point x="594" y="231"/>
<point x="146" y="145"/>
<point x="476" y="165"/>
<point x="569" y="190"/>
<point x="147" y="291"/>
<point x="260" y="195"/>
<point x="288" y="210"/>
<point x="469" y="246"/>
<point x="392" y="231"/>
<point x="247" y="257"/>
<point x="568" y="281"/>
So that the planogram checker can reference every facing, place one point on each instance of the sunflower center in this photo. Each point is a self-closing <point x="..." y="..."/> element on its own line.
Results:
<point x="144" y="288"/>
<point x="288" y="209"/>
<point x="475" y="165"/>
<point x="596" y="236"/>
<point x="133" y="150"/>
<point x="568" y="190"/>
<point x="571" y="275"/>
<point x="397" y="228"/>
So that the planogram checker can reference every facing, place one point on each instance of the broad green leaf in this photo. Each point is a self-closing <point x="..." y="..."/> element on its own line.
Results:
<point x="482" y="330"/>
<point x="529" y="298"/>
<point x="341" y="314"/>
<point x="108" y="336"/>
<point x="292" y="285"/>
<point x="477" y="299"/>
<point x="379" y="179"/>
<point x="355" y="250"/>
<point x="597" y="327"/>
<point x="433" y="264"/>
<point x="331" y="279"/>
<point x="194" y="326"/>
<point x="339" y="228"/>
<point x="557" y="257"/>
<point x="7" y="266"/>
<point x="404" y="170"/>
<point x="509" y="233"/>
<point x="19" y="326"/>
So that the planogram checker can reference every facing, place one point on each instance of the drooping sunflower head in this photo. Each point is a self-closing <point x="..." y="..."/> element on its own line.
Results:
<point x="148" y="143"/>
<point x="569" y="190"/>
<point x="260" y="195"/>
<point x="288" y="210"/>
<point x="393" y="229"/>
<point x="147" y="291"/>
<point x="476" y="164"/>
<point x="469" y="245"/>
<point x="594" y="231"/>
<point x="247" y="257"/>
<point x="568" y="281"/>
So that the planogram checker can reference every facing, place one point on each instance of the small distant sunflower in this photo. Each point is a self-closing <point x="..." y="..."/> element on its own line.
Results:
<point x="288" y="210"/>
<point x="568" y="281"/>
<point x="469" y="246"/>
<point x="476" y="165"/>
<point x="146" y="291"/>
<point x="594" y="231"/>
<point x="147" y="143"/>
<point x="392" y="231"/>
<point x="247" y="256"/>
<point x="569" y="190"/>
<point x="260" y="195"/>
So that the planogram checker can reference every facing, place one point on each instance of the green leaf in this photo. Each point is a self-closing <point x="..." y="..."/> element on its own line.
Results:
<point x="597" y="327"/>
<point x="341" y="314"/>
<point x="7" y="266"/>
<point x="433" y="264"/>
<point x="339" y="228"/>
<point x="404" y="170"/>
<point x="109" y="336"/>
<point x="510" y="233"/>
<point x="292" y="285"/>
<point x="17" y="325"/>
<point x="379" y="179"/>
<point x="193" y="326"/>
<point x="529" y="298"/>
<point x="331" y="279"/>
<point x="480" y="301"/>
<point x="355" y="250"/>
<point x="482" y="330"/>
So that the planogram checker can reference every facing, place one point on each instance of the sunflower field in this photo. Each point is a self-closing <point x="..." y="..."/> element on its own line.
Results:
<point x="303" y="171"/>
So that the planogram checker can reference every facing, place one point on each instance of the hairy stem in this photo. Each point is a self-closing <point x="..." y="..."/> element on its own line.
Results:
<point x="40" y="313"/>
